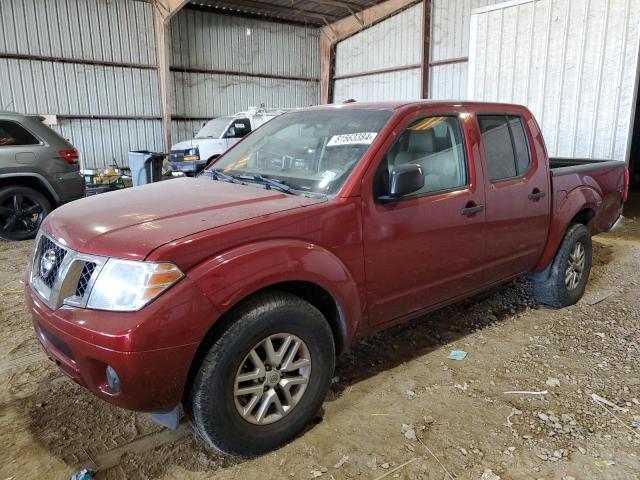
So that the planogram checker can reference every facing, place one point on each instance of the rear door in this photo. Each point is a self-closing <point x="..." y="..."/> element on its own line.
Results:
<point x="517" y="193"/>
<point x="425" y="248"/>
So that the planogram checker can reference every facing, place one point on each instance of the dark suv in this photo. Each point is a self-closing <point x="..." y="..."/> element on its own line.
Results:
<point x="39" y="170"/>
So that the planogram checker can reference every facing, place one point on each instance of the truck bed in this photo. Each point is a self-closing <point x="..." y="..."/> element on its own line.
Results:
<point x="565" y="165"/>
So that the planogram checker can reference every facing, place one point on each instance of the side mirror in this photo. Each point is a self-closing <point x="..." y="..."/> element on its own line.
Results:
<point x="403" y="180"/>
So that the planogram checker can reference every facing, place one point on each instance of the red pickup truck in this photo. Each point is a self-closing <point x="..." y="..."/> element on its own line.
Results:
<point x="229" y="295"/>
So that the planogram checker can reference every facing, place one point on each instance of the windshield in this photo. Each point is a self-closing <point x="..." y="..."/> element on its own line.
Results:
<point x="310" y="151"/>
<point x="214" y="128"/>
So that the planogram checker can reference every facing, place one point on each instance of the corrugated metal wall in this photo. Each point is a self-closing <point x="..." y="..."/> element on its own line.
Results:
<point x="93" y="63"/>
<point x="223" y="64"/>
<point x="52" y="57"/>
<point x="450" y="20"/>
<point x="393" y="43"/>
<point x="572" y="63"/>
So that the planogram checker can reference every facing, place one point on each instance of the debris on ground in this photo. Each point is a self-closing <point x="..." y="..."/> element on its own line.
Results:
<point x="84" y="474"/>
<point x="526" y="392"/>
<point x="457" y="355"/>
<point x="408" y="431"/>
<point x="409" y="394"/>
<point x="552" y="382"/>
<point x="489" y="475"/>
<point x="319" y="472"/>
<point x="342" y="461"/>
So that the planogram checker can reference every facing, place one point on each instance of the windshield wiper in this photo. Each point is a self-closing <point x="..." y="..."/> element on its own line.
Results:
<point x="218" y="175"/>
<point x="271" y="183"/>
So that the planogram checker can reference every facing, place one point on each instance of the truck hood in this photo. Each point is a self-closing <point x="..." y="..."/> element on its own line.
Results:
<point x="207" y="143"/>
<point x="133" y="222"/>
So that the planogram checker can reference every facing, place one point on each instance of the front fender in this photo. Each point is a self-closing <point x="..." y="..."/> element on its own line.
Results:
<point x="567" y="206"/>
<point x="235" y="274"/>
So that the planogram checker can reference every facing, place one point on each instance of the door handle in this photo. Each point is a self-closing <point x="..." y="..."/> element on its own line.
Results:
<point x="472" y="210"/>
<point x="536" y="195"/>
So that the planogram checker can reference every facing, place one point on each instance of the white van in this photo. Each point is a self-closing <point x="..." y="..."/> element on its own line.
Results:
<point x="215" y="137"/>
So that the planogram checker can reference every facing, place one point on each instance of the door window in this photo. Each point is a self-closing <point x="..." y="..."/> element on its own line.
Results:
<point x="12" y="134"/>
<point x="434" y="143"/>
<point x="239" y="128"/>
<point x="505" y="146"/>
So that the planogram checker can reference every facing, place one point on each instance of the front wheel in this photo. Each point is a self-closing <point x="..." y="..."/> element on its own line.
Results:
<point x="565" y="281"/>
<point x="22" y="210"/>
<point x="265" y="378"/>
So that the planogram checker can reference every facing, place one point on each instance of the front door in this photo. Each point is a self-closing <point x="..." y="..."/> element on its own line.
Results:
<point x="427" y="247"/>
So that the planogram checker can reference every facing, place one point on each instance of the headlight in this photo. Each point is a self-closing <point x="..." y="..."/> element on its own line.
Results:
<point x="191" y="154"/>
<point x="127" y="285"/>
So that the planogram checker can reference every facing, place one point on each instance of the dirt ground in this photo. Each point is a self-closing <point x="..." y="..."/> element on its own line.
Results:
<point x="398" y="407"/>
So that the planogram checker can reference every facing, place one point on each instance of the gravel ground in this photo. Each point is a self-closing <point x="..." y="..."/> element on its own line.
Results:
<point x="398" y="406"/>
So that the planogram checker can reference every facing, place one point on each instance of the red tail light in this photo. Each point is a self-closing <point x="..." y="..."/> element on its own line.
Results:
<point x="625" y="194"/>
<point x="70" y="156"/>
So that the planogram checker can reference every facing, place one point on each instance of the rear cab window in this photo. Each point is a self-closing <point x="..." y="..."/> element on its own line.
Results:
<point x="12" y="134"/>
<point x="506" y="146"/>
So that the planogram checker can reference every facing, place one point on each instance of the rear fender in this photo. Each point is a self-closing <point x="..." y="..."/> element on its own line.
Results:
<point x="235" y="274"/>
<point x="567" y="206"/>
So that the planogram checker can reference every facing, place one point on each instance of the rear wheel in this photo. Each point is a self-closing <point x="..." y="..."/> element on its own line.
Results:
<point x="567" y="277"/>
<point x="22" y="210"/>
<point x="265" y="378"/>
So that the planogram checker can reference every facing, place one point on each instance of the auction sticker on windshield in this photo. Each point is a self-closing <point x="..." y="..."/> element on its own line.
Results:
<point x="364" y="138"/>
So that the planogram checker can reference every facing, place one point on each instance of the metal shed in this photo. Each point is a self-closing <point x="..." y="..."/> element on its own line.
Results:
<point x="135" y="73"/>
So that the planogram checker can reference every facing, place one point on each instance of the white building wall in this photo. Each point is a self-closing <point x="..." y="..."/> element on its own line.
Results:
<point x="393" y="43"/>
<point x="450" y="22"/>
<point x="573" y="63"/>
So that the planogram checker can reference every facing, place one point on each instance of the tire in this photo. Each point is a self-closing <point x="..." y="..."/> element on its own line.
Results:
<point x="22" y="211"/>
<point x="215" y="409"/>
<point x="551" y="287"/>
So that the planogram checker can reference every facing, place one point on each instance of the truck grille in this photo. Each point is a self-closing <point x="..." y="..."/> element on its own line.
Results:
<point x="176" y="156"/>
<point x="85" y="277"/>
<point x="62" y="275"/>
<point x="49" y="260"/>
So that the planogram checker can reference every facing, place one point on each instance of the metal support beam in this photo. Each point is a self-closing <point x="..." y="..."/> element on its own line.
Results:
<point x="163" y="10"/>
<point x="337" y="31"/>
<point x="426" y="48"/>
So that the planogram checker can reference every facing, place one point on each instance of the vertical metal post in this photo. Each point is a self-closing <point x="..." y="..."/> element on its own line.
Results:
<point x="326" y="67"/>
<point x="426" y="48"/>
<point x="161" y="22"/>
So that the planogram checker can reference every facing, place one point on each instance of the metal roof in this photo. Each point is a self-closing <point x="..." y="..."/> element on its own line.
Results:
<point x="310" y="12"/>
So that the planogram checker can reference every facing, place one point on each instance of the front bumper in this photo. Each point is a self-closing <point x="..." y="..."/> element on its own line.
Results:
<point x="152" y="378"/>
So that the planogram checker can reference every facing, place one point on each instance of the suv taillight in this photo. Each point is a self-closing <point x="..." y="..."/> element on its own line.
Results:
<point x="70" y="156"/>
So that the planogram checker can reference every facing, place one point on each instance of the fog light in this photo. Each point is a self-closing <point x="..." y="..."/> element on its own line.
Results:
<point x="112" y="379"/>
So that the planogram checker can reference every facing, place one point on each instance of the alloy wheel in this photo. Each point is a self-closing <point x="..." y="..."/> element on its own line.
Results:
<point x="20" y="214"/>
<point x="272" y="378"/>
<point x="575" y="266"/>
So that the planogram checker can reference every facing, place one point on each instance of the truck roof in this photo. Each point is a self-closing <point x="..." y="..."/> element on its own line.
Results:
<point x="394" y="105"/>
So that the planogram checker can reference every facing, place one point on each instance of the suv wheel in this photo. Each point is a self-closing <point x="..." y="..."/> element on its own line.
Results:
<point x="22" y="210"/>
<point x="564" y="283"/>
<point x="265" y="378"/>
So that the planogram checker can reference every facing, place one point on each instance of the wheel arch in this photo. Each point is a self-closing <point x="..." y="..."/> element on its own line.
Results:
<point x="580" y="205"/>
<point x="316" y="295"/>
<point x="34" y="181"/>
<point x="232" y="278"/>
